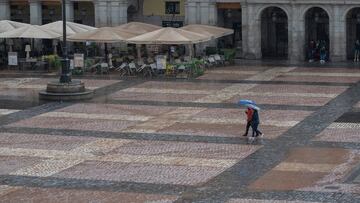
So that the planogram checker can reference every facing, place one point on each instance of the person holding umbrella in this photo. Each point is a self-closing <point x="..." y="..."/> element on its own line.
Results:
<point x="249" y="113"/>
<point x="253" y="119"/>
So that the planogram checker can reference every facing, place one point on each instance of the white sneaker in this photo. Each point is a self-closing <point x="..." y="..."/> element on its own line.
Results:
<point x="251" y="140"/>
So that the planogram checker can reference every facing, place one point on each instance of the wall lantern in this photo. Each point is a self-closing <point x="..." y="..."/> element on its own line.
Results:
<point x="51" y="12"/>
<point x="274" y="17"/>
<point x="317" y="17"/>
<point x="83" y="12"/>
<point x="229" y="13"/>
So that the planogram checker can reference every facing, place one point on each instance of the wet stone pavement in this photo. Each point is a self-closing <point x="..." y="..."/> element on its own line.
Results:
<point x="167" y="140"/>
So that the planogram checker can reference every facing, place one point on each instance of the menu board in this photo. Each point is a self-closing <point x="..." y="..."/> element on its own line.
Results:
<point x="13" y="58"/>
<point x="161" y="62"/>
<point x="79" y="60"/>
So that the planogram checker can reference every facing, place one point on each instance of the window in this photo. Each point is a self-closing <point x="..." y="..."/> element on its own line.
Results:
<point x="172" y="7"/>
<point x="76" y="6"/>
<point x="175" y="24"/>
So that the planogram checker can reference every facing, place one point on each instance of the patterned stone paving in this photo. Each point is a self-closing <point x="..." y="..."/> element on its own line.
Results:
<point x="307" y="167"/>
<point x="111" y="149"/>
<point x="263" y="201"/>
<point x="45" y="195"/>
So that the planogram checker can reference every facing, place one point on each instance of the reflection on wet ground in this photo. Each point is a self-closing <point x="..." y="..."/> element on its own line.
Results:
<point x="169" y="140"/>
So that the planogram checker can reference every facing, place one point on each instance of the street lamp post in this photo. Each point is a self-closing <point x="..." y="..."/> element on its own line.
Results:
<point x="65" y="70"/>
<point x="65" y="89"/>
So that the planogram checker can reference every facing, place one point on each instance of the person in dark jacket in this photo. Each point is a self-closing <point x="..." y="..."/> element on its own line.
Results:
<point x="357" y="51"/>
<point x="255" y="125"/>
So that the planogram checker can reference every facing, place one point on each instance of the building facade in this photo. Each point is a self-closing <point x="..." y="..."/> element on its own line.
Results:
<point x="263" y="28"/>
<point x="284" y="28"/>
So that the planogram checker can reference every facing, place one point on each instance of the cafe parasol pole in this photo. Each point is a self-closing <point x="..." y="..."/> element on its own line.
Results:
<point x="65" y="69"/>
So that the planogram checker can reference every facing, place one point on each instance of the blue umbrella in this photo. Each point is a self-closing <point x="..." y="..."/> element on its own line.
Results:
<point x="249" y="103"/>
<point x="246" y="101"/>
<point x="253" y="106"/>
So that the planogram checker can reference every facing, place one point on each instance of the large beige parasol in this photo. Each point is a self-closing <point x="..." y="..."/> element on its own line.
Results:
<point x="31" y="32"/>
<point x="169" y="36"/>
<point x="71" y="28"/>
<point x="139" y="28"/>
<point x="104" y="34"/>
<point x="7" y="25"/>
<point x="208" y="30"/>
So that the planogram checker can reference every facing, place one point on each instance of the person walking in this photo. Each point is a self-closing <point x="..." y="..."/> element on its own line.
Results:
<point x="357" y="51"/>
<point x="255" y="121"/>
<point x="249" y="114"/>
<point x="322" y="52"/>
<point x="311" y="51"/>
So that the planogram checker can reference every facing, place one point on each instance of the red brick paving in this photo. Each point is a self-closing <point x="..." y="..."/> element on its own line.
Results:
<point x="182" y="85"/>
<point x="185" y="149"/>
<point x="339" y="135"/>
<point x="160" y="174"/>
<point x="298" y="89"/>
<point x="283" y="100"/>
<point x="156" y="97"/>
<point x="75" y="124"/>
<point x="47" y="195"/>
<point x="116" y="109"/>
<point x="224" y="76"/>
<point x="337" y="79"/>
<point x="10" y="164"/>
<point x="37" y="141"/>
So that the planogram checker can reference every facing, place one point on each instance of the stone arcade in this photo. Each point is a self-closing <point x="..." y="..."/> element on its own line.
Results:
<point x="262" y="21"/>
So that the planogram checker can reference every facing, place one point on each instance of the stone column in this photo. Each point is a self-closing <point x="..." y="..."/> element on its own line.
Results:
<point x="123" y="12"/>
<point x="69" y="11"/>
<point x="253" y="49"/>
<point x="296" y="29"/>
<point x="115" y="13"/>
<point x="213" y="17"/>
<point x="4" y="10"/>
<point x="191" y="9"/>
<point x="337" y="36"/>
<point x="244" y="27"/>
<point x="101" y="16"/>
<point x="207" y="12"/>
<point x="35" y="12"/>
<point x="186" y="11"/>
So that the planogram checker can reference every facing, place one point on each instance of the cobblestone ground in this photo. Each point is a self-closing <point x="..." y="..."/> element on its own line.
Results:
<point x="181" y="141"/>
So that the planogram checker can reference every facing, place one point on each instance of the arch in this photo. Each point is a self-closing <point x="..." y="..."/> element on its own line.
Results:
<point x="317" y="32"/>
<point x="352" y="30"/>
<point x="20" y="11"/>
<point x="346" y="11"/>
<point x="263" y="8"/>
<point x="274" y="33"/>
<point x="131" y="13"/>
<point x="84" y="13"/>
<point x="325" y="8"/>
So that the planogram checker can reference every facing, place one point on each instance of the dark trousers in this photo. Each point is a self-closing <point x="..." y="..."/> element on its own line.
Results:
<point x="256" y="131"/>
<point x="247" y="128"/>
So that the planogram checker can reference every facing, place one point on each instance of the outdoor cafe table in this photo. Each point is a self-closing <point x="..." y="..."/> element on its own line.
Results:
<point x="31" y="64"/>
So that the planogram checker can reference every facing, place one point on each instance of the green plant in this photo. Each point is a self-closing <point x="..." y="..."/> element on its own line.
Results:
<point x="77" y="71"/>
<point x="196" y="67"/>
<point x="229" y="54"/>
<point x="53" y="60"/>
